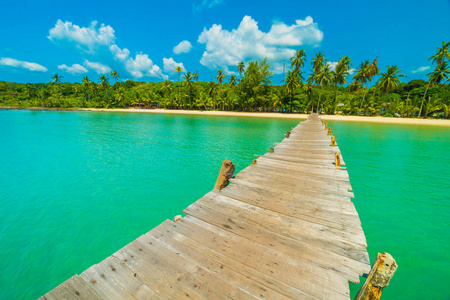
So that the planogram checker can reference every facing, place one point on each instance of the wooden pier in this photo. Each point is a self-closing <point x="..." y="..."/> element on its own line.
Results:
<point x="285" y="228"/>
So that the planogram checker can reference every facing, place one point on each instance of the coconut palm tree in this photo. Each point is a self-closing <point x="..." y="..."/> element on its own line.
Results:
<point x="86" y="84"/>
<point x="57" y="79"/>
<point x="441" y="54"/>
<point x="220" y="76"/>
<point x="195" y="75"/>
<point x="364" y="75"/>
<point x="323" y="78"/>
<point x="188" y="83"/>
<point x="298" y="61"/>
<point x="241" y="68"/>
<point x="233" y="80"/>
<point x="439" y="57"/>
<point x="440" y="73"/>
<point x="114" y="75"/>
<point x="104" y="82"/>
<point x="291" y="85"/>
<point x="341" y="73"/>
<point x="389" y="79"/>
<point x="178" y="69"/>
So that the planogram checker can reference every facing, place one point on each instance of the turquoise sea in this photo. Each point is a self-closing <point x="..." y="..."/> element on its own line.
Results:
<point x="77" y="186"/>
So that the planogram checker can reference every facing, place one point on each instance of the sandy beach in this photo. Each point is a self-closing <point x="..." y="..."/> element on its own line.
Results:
<point x="387" y="120"/>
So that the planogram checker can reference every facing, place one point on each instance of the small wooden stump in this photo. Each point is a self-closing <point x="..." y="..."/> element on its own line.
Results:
<point x="329" y="131"/>
<point x="254" y="162"/>
<point x="382" y="271"/>
<point x="225" y="173"/>
<point x="177" y="218"/>
<point x="271" y="150"/>
<point x="333" y="141"/>
<point x="337" y="159"/>
<point x="326" y="125"/>
<point x="288" y="134"/>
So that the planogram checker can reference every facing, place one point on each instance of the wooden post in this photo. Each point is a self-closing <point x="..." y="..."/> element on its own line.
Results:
<point x="337" y="159"/>
<point x="382" y="271"/>
<point x="225" y="173"/>
<point x="288" y="134"/>
<point x="326" y="125"/>
<point x="271" y="150"/>
<point x="333" y="141"/>
<point x="254" y="162"/>
<point x="329" y="131"/>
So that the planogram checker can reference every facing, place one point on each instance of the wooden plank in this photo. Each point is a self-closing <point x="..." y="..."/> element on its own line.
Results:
<point x="272" y="267"/>
<point x="199" y="254"/>
<point x="272" y="219"/>
<point x="125" y="277"/>
<point x="348" y="253"/>
<point x="143" y="267"/>
<point x="105" y="286"/>
<point x="73" y="288"/>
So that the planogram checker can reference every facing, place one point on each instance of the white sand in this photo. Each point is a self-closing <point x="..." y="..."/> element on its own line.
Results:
<point x="433" y="122"/>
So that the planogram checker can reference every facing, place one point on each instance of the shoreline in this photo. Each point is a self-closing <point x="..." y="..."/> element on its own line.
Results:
<point x="345" y="118"/>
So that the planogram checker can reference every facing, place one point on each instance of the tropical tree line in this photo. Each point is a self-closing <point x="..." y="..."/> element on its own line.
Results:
<point x="325" y="88"/>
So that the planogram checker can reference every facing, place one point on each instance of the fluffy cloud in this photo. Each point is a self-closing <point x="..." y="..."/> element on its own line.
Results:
<point x="207" y="4"/>
<point x="421" y="69"/>
<point x="227" y="48"/>
<point x="182" y="47"/>
<point x="87" y="38"/>
<point x="74" y="69"/>
<point x="11" y="62"/>
<point x="142" y="66"/>
<point x="170" y="65"/>
<point x="90" y="39"/>
<point x="97" y="67"/>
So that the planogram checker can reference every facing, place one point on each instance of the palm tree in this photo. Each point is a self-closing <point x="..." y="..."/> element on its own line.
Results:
<point x="114" y="75"/>
<point x="323" y="78"/>
<point x="441" y="54"/>
<point x="298" y="61"/>
<point x="241" y="68"/>
<point x="317" y="62"/>
<point x="178" y="69"/>
<point x="103" y="80"/>
<point x="220" y="76"/>
<point x="363" y="75"/>
<point x="188" y="83"/>
<point x="195" y="75"/>
<point x="390" y="79"/>
<point x="86" y="84"/>
<point x="233" y="80"/>
<point x="440" y="73"/>
<point x="57" y="79"/>
<point x="341" y="73"/>
<point x="291" y="85"/>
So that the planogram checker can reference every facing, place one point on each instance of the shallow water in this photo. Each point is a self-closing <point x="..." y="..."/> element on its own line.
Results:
<point x="77" y="186"/>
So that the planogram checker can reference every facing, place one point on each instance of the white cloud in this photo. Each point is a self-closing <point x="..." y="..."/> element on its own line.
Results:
<point x="74" y="69"/>
<point x="142" y="66"/>
<point x="120" y="54"/>
<point x="421" y="69"/>
<point x="182" y="47"/>
<point x="90" y="39"/>
<point x="6" y="61"/>
<point x="227" y="48"/>
<point x="170" y="65"/>
<point x="97" y="67"/>
<point x="87" y="38"/>
<point x="207" y="4"/>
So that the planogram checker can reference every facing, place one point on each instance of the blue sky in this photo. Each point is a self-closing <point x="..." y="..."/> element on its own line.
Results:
<point x="146" y="40"/>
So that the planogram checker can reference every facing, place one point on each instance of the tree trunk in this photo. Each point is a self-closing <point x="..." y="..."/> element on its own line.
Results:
<point x="426" y="90"/>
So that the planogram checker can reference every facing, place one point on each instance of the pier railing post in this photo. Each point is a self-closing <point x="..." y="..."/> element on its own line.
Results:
<point x="382" y="271"/>
<point x="329" y="131"/>
<point x="333" y="141"/>
<point x="288" y="134"/>
<point x="225" y="173"/>
<point x="337" y="159"/>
